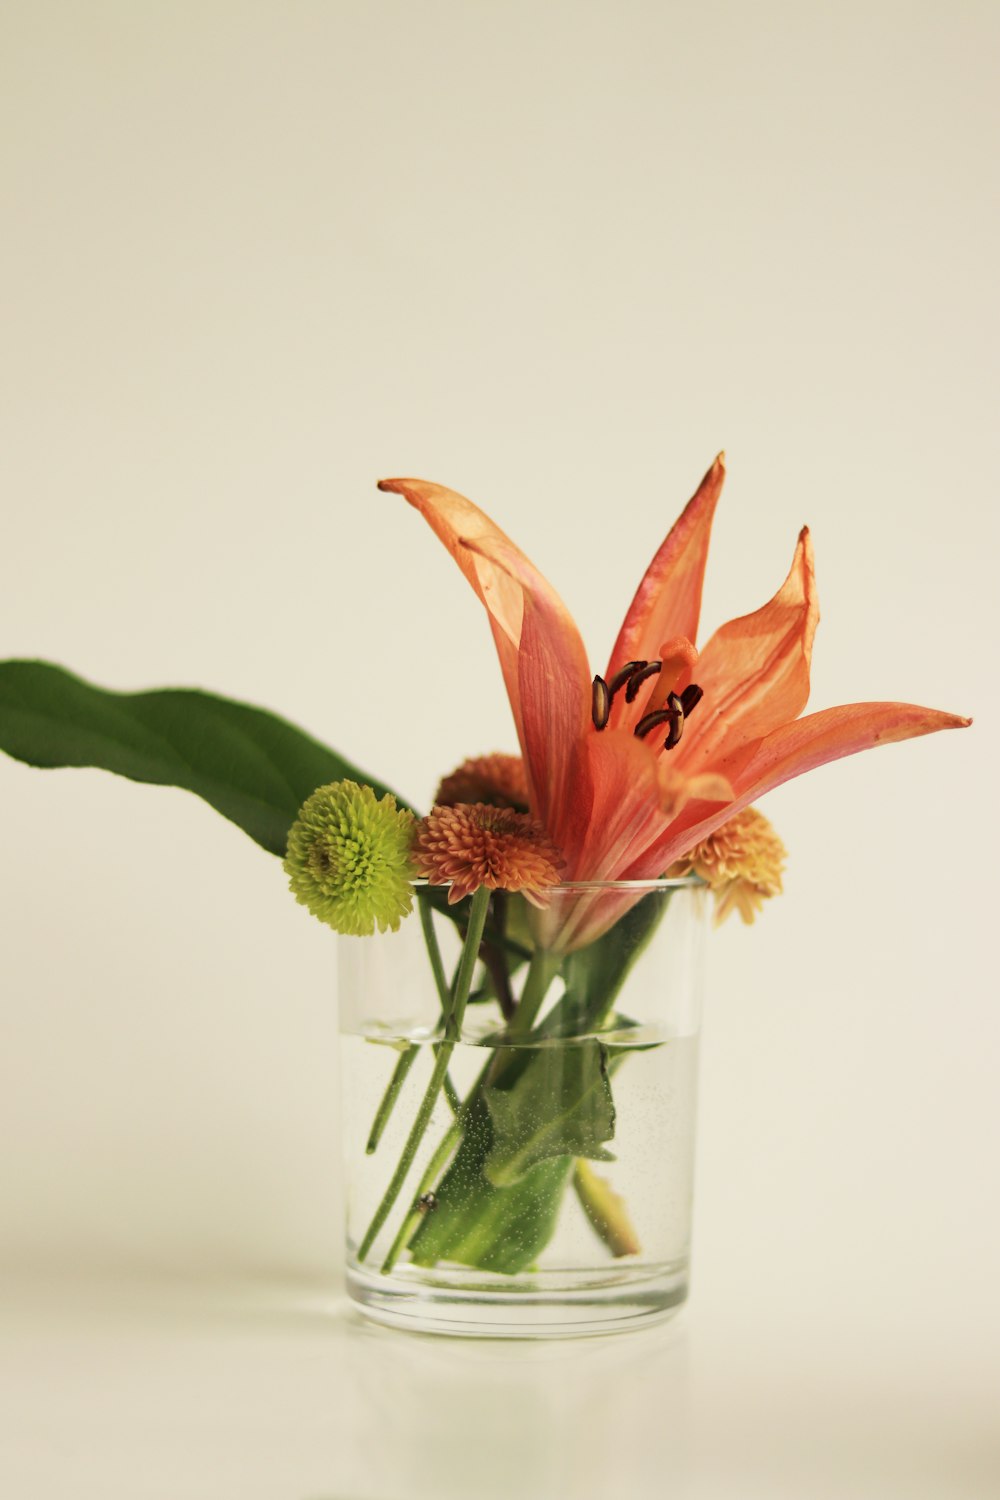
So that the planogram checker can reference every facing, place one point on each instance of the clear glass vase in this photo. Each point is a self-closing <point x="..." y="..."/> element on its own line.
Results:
<point x="527" y="1173"/>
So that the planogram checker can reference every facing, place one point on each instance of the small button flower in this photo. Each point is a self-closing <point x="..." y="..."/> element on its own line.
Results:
<point x="497" y="779"/>
<point x="349" y="861"/>
<point x="473" y="845"/>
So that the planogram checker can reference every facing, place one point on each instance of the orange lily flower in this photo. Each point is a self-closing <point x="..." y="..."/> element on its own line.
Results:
<point x="630" y="770"/>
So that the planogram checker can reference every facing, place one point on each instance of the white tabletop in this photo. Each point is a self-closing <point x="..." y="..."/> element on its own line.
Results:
<point x="135" y="1390"/>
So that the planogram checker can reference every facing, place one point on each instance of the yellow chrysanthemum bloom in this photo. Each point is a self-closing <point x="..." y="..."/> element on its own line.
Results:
<point x="742" y="861"/>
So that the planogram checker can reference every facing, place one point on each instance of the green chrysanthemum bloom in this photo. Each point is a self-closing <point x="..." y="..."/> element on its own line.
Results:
<point x="348" y="859"/>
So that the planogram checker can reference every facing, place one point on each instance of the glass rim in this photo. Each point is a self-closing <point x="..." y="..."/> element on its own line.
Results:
<point x="674" y="883"/>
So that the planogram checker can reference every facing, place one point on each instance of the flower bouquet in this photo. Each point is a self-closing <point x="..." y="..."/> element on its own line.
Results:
<point x="520" y="976"/>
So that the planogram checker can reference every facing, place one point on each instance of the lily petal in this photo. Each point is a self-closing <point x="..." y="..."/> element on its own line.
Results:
<point x="790" y="751"/>
<point x="554" y="694"/>
<point x="668" y="600"/>
<point x="542" y="656"/>
<point x="754" y="671"/>
<point x="677" y="790"/>
<point x="622" y="812"/>
<point x="458" y="522"/>
<point x="832" y="734"/>
<point x="613" y="818"/>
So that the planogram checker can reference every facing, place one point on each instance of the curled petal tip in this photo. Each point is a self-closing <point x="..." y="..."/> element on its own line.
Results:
<point x="716" y="471"/>
<point x="668" y="600"/>
<point x="929" y="719"/>
<point x="805" y="546"/>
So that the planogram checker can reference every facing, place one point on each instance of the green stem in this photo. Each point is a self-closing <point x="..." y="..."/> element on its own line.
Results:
<point x="435" y="1167"/>
<point x="452" y="1095"/>
<point x="434" y="953"/>
<point x="541" y="972"/>
<point x="452" y="1032"/>
<point x="408" y="1058"/>
<point x="394" y="1088"/>
<point x="443" y="988"/>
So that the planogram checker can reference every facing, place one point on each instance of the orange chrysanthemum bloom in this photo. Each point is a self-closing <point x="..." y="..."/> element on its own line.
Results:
<point x="742" y="861"/>
<point x="473" y="844"/>
<point x="497" y="779"/>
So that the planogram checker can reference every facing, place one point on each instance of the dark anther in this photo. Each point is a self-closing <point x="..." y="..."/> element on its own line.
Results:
<point x="600" y="703"/>
<point x="673" y="715"/>
<point x="675" y="707"/>
<point x="620" y="678"/>
<point x="639" y="677"/>
<point x="691" y="697"/>
<point x="650" y="721"/>
<point x="427" y="1204"/>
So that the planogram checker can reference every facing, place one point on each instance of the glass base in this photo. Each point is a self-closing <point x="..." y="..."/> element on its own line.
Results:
<point x="549" y="1304"/>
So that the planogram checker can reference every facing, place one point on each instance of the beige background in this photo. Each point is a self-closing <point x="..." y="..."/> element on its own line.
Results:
<point x="554" y="255"/>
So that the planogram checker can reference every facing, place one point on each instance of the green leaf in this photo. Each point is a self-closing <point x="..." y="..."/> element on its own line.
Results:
<point x="489" y="1228"/>
<point x="251" y="766"/>
<point x="557" y="1104"/>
